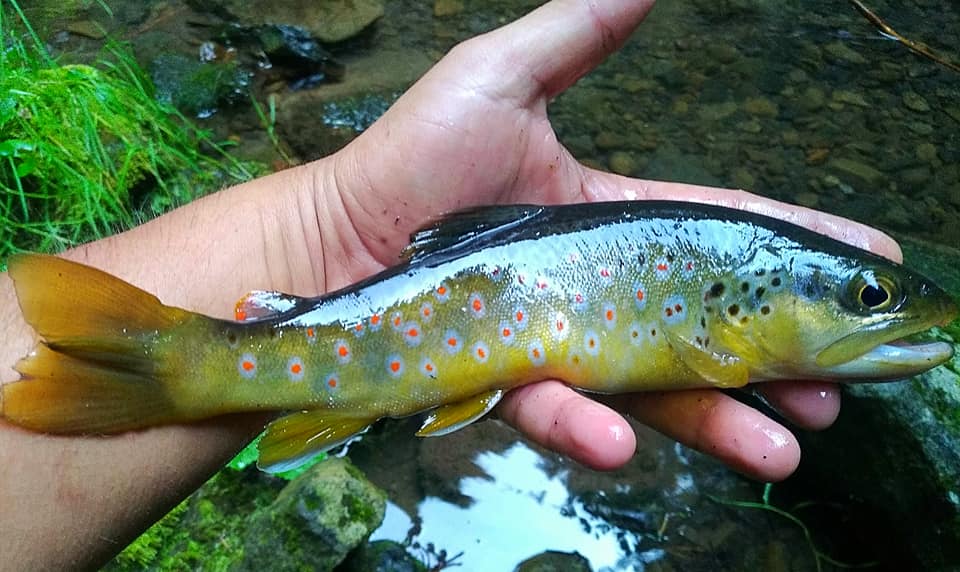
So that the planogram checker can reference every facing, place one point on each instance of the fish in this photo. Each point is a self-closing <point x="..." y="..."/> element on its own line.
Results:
<point x="608" y="297"/>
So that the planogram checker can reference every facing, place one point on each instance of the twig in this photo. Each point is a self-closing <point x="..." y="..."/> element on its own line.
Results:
<point x="915" y="47"/>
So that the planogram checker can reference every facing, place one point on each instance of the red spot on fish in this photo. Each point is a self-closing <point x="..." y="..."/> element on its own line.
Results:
<point x="640" y="295"/>
<point x="506" y="332"/>
<point x="427" y="311"/>
<point x="519" y="316"/>
<point x="428" y="366"/>
<point x="358" y="327"/>
<point x="578" y="298"/>
<point x="442" y="290"/>
<point x="541" y="283"/>
<point x="560" y="325"/>
<point x="452" y="342"/>
<point x="311" y="333"/>
<point x="248" y="365"/>
<point x="689" y="265"/>
<point x="678" y="308"/>
<point x="535" y="352"/>
<point x="395" y="366"/>
<point x="396" y="320"/>
<point x="481" y="353"/>
<point x="477" y="305"/>
<point x="605" y="272"/>
<point x="609" y="315"/>
<point x="413" y="332"/>
<point x="342" y="351"/>
<point x="375" y="320"/>
<point x="521" y="278"/>
<point x="296" y="368"/>
<point x="662" y="267"/>
<point x="668" y="312"/>
<point x="332" y="383"/>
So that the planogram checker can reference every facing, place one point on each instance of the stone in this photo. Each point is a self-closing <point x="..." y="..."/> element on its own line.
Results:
<point x="841" y="52"/>
<point x="315" y="521"/>
<point x="554" y="561"/>
<point x="445" y="8"/>
<point x="88" y="29"/>
<point x="915" y="102"/>
<point x="927" y="152"/>
<point x="849" y="98"/>
<point x="916" y="177"/>
<point x="860" y="173"/>
<point x="328" y="21"/>
<point x="807" y="199"/>
<point x="717" y="111"/>
<point x="812" y="99"/>
<point x="761" y="106"/>
<point x="381" y="556"/>
<point x="622" y="163"/>
<point x="607" y="140"/>
<point x="742" y="178"/>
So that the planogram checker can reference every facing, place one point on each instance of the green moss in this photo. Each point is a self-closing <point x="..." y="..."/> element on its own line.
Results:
<point x="86" y="151"/>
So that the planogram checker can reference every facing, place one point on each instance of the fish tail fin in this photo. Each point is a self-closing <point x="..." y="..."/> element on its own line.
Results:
<point x="96" y="370"/>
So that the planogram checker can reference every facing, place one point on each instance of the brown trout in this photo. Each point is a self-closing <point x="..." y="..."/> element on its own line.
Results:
<point x="609" y="297"/>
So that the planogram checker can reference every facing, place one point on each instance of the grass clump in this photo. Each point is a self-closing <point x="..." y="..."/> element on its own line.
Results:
<point x="86" y="151"/>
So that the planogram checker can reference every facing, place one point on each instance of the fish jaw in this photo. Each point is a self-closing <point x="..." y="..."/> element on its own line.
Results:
<point x="888" y="362"/>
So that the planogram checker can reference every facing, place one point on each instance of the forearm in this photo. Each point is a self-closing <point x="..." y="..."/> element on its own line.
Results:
<point x="68" y="501"/>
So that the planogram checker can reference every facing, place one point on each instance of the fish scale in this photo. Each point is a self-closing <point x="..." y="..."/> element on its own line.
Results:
<point x="607" y="297"/>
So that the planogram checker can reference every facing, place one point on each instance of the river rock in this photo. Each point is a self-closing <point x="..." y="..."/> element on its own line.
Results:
<point x="915" y="102"/>
<point x="927" y="152"/>
<point x="327" y="21"/>
<point x="381" y="556"/>
<point x="554" y="561"/>
<point x="315" y="521"/>
<point x="622" y="163"/>
<point x="859" y="173"/>
<point x="841" y="52"/>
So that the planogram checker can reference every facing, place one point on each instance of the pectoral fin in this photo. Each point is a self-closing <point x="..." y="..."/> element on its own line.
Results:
<point x="449" y="418"/>
<point x="293" y="440"/>
<point x="721" y="369"/>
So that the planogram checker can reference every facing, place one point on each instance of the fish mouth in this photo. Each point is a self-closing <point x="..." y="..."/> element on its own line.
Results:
<point x="893" y="360"/>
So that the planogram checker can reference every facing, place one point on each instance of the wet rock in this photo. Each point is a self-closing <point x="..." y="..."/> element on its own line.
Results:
<point x="742" y="178"/>
<point x="622" y="163"/>
<point x="916" y="177"/>
<point x="953" y="112"/>
<point x="315" y="521"/>
<point x="328" y="21"/>
<point x="717" y="111"/>
<point x="444" y="8"/>
<point x="849" y="98"/>
<point x="915" y="102"/>
<point x="88" y="29"/>
<point x="297" y="56"/>
<point x="554" y="561"/>
<point x="841" y="52"/>
<point x="860" y="174"/>
<point x="381" y="556"/>
<point x="607" y="140"/>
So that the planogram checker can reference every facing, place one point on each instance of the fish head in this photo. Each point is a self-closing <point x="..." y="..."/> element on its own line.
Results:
<point x="834" y="317"/>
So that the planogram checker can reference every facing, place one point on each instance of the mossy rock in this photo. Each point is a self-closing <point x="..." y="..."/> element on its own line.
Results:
<point x="896" y="449"/>
<point x="316" y="520"/>
<point x="555" y="561"/>
<point x="381" y="556"/>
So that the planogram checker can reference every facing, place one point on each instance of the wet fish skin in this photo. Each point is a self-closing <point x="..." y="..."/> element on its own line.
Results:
<point x="609" y="297"/>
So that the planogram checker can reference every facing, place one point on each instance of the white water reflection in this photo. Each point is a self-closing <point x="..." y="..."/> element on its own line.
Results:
<point x="520" y="511"/>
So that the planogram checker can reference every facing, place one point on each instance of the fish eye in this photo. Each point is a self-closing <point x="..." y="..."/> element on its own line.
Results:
<point x="875" y="293"/>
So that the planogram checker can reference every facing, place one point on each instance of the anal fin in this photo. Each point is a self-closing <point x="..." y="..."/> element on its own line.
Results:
<point x="449" y="418"/>
<point x="294" y="439"/>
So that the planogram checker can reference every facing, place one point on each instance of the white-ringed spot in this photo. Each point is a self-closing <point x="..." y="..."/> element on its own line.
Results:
<point x="481" y="352"/>
<point x="579" y="302"/>
<point x="358" y="329"/>
<point x="394" y="365"/>
<point x="376" y="322"/>
<point x="295" y="369"/>
<point x="412" y="334"/>
<point x="674" y="309"/>
<point x="537" y="353"/>
<point x="311" y="334"/>
<point x="591" y="343"/>
<point x="426" y="312"/>
<point x="247" y="366"/>
<point x="636" y="334"/>
<point x="541" y="283"/>
<point x="520" y="318"/>
<point x="452" y="342"/>
<point x="640" y="295"/>
<point x="606" y="275"/>
<point x="428" y="368"/>
<point x="476" y="305"/>
<point x="661" y="268"/>
<point x="396" y="321"/>
<point x="688" y="268"/>
<point x="560" y="327"/>
<point x="442" y="293"/>
<point x="341" y="351"/>
<point x="573" y="257"/>
<point x="496" y="273"/>
<point x="506" y="332"/>
<point x="608" y="313"/>
<point x="331" y="383"/>
<point x="574" y="359"/>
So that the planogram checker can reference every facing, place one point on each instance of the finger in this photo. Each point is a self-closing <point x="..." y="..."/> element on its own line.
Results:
<point x="546" y="51"/>
<point x="812" y="405"/>
<point x="607" y="186"/>
<point x="718" y="425"/>
<point x="560" y="419"/>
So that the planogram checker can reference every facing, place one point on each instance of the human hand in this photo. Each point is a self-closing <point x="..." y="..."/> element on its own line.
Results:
<point x="475" y="130"/>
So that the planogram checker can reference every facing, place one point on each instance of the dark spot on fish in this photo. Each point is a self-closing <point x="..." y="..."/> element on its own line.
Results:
<point x="274" y="333"/>
<point x="641" y="259"/>
<point x="760" y="291"/>
<point x="765" y="310"/>
<point x="745" y="287"/>
<point x="699" y="341"/>
<point x="706" y="342"/>
<point x="734" y="309"/>
<point x="708" y="309"/>
<point x="653" y="332"/>
<point x="232" y="338"/>
<point x="669" y="258"/>
<point x="717" y="289"/>
<point x="776" y="281"/>
<point x="703" y="322"/>
<point x="760" y="272"/>
<point x="744" y="319"/>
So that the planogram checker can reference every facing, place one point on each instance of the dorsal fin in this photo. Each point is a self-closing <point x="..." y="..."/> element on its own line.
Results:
<point x="468" y="228"/>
